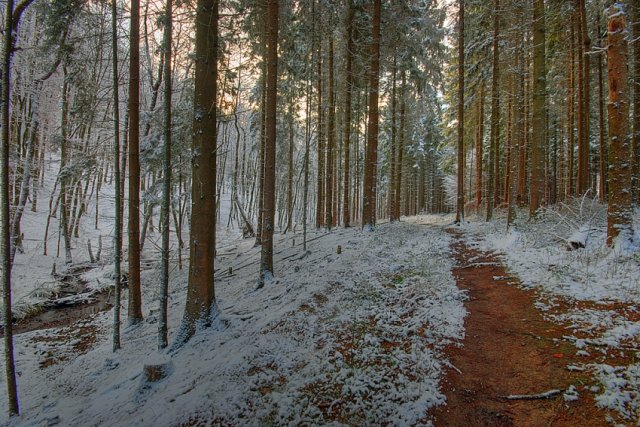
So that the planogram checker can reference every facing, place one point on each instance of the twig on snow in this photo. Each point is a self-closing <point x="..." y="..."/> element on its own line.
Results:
<point x="479" y="264"/>
<point x="546" y="395"/>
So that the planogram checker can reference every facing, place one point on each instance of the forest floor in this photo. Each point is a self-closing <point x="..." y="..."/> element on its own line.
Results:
<point x="354" y="337"/>
<point x="417" y="323"/>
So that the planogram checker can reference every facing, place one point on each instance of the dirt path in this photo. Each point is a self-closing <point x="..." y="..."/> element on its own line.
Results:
<point x="509" y="349"/>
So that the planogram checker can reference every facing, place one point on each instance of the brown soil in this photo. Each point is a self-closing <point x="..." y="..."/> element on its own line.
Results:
<point x="509" y="349"/>
<point x="82" y="337"/>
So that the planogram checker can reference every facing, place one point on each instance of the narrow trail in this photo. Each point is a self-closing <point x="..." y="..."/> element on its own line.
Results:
<point x="509" y="349"/>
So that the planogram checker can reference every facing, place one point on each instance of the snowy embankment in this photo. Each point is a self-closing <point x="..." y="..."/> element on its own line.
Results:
<point x="594" y="290"/>
<point x="355" y="338"/>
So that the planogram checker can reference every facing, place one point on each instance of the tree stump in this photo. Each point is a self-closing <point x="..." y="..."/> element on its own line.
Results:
<point x="157" y="367"/>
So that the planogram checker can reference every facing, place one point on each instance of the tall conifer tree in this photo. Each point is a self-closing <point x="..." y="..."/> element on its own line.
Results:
<point x="200" y="304"/>
<point x="371" y="154"/>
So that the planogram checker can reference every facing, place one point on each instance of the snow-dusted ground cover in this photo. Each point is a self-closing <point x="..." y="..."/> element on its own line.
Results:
<point x="352" y="338"/>
<point x="594" y="290"/>
<point x="537" y="252"/>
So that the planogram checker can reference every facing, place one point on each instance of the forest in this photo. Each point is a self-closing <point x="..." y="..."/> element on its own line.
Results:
<point x="312" y="212"/>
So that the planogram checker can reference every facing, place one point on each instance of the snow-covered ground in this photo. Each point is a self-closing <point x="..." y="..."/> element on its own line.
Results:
<point x="537" y="252"/>
<point x="32" y="281"/>
<point x="594" y="290"/>
<point x="355" y="337"/>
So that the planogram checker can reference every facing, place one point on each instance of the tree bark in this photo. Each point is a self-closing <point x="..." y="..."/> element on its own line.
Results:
<point x="513" y="193"/>
<point x="371" y="154"/>
<point x="307" y="143"/>
<point x="509" y="143"/>
<point x="635" y="146"/>
<point x="495" y="113"/>
<point x="400" y="149"/>
<point x="117" y="239"/>
<point x="200" y="290"/>
<point x="461" y="152"/>
<point x="620" y="207"/>
<point x="331" y="139"/>
<point x="479" y="149"/>
<point x="266" y="258"/>
<point x="263" y="114"/>
<point x="538" y="146"/>
<point x="290" y="167"/>
<point x="135" y="293"/>
<point x="393" y="164"/>
<point x="582" y="185"/>
<point x="5" y="237"/>
<point x="522" y="191"/>
<point x="602" y="190"/>
<point x="320" y="214"/>
<point x="569" y="190"/>
<point x="346" y="212"/>
<point x="163" y="339"/>
<point x="64" y="174"/>
<point x="586" y="81"/>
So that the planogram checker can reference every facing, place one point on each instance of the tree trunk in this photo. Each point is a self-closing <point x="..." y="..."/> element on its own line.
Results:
<point x="331" y="140"/>
<point x="569" y="189"/>
<point x="636" y="104"/>
<point x="64" y="174"/>
<point x="400" y="149"/>
<point x="495" y="113"/>
<point x="509" y="144"/>
<point x="521" y="196"/>
<point x="263" y="112"/>
<point x="602" y="190"/>
<point x="135" y="293"/>
<point x="586" y="99"/>
<point x="479" y="149"/>
<point x="307" y="143"/>
<point x="266" y="258"/>
<point x="517" y="136"/>
<point x="124" y="155"/>
<point x="359" y="173"/>
<point x="5" y="237"/>
<point x="461" y="152"/>
<point x="320" y="216"/>
<point x="346" y="213"/>
<point x="393" y="164"/>
<point x="371" y="154"/>
<point x="620" y="207"/>
<point x="236" y="154"/>
<point x="290" y="167"/>
<point x="117" y="239"/>
<point x="539" y="98"/>
<point x="166" y="182"/>
<point x="580" y="166"/>
<point x="200" y="290"/>
<point x="582" y="182"/>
